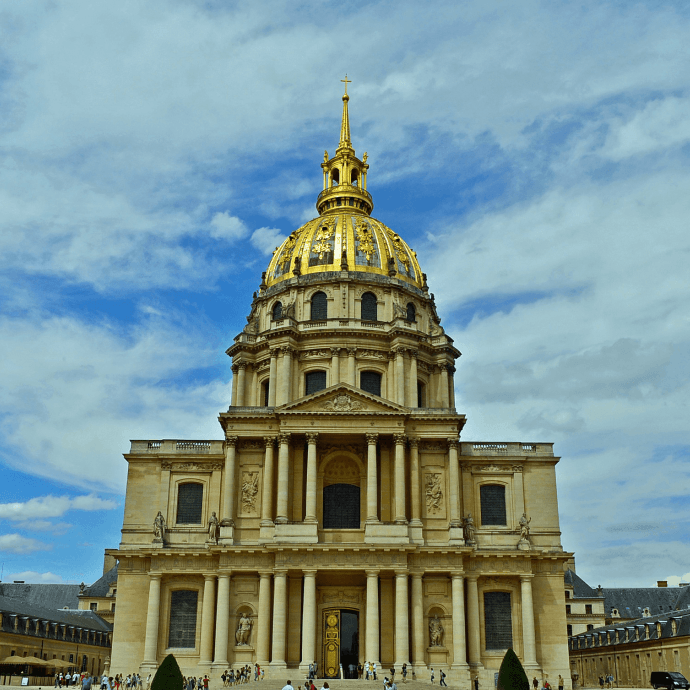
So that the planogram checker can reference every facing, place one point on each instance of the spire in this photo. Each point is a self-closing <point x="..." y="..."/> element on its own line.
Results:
<point x="345" y="126"/>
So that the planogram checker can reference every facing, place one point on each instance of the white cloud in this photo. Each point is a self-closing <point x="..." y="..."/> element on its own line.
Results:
<point x="53" y="506"/>
<point x="56" y="528"/>
<point x="33" y="577"/>
<point x="227" y="227"/>
<point x="74" y="393"/>
<point x="267" y="239"/>
<point x="16" y="543"/>
<point x="675" y="580"/>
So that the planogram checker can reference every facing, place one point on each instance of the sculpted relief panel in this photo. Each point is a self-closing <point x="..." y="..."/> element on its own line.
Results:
<point x="249" y="491"/>
<point x="434" y="494"/>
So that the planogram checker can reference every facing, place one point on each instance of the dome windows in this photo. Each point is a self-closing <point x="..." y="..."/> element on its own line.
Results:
<point x="370" y="382"/>
<point x="411" y="314"/>
<point x="319" y="306"/>
<point x="277" y="312"/>
<point x="369" y="307"/>
<point x="314" y="381"/>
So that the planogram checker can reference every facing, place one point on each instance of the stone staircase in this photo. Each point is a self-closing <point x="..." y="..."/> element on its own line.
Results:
<point x="334" y="684"/>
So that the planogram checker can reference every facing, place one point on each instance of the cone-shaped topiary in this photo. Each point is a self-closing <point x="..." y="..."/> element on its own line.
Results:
<point x="168" y="676"/>
<point x="511" y="675"/>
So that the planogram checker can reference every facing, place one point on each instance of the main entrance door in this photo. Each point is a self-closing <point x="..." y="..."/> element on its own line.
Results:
<point x="340" y="642"/>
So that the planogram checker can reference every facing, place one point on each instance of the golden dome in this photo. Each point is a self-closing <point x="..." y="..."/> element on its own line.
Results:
<point x="344" y="241"/>
<point x="345" y="237"/>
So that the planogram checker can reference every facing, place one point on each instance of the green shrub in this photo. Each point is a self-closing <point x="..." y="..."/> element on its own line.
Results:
<point x="168" y="676"/>
<point x="511" y="675"/>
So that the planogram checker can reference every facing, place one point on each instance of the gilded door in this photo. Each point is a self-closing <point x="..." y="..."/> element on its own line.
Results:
<point x="331" y="643"/>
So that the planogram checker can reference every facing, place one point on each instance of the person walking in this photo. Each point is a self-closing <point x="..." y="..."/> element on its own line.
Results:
<point x="432" y="675"/>
<point x="442" y="679"/>
<point x="404" y="673"/>
<point x="561" y="683"/>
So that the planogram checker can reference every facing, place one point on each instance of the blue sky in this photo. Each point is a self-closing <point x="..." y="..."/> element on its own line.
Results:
<point x="535" y="154"/>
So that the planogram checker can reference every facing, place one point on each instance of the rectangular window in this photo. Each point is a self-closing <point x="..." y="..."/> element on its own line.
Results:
<point x="567" y="594"/>
<point x="189" y="503"/>
<point x="183" y="605"/>
<point x="588" y="608"/>
<point x="570" y="631"/>
<point x="93" y="606"/>
<point x="493" y="503"/>
<point x="498" y="620"/>
<point x="567" y="608"/>
<point x="314" y="381"/>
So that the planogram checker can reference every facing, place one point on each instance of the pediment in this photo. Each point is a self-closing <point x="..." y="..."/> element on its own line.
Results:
<point x="342" y="399"/>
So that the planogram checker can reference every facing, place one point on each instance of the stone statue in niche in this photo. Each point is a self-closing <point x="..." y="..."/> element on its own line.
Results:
<point x="244" y="630"/>
<point x="468" y="530"/>
<point x="523" y="526"/>
<point x="159" y="529"/>
<point x="435" y="632"/>
<point x="213" y="528"/>
<point x="434" y="495"/>
<point x="250" y="489"/>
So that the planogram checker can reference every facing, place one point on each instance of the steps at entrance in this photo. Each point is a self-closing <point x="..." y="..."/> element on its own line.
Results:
<point x="334" y="684"/>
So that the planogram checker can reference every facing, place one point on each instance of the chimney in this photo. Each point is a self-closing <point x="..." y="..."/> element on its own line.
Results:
<point x="109" y="562"/>
<point x="662" y="583"/>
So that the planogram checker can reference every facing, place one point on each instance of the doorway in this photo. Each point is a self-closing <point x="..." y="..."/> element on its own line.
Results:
<point x="340" y="642"/>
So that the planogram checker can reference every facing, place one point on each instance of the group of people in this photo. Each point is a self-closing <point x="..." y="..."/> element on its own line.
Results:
<point x="132" y="681"/>
<point x="241" y="675"/>
<point x="62" y="680"/>
<point x="606" y="680"/>
<point x="192" y="683"/>
<point x="547" y="685"/>
<point x="441" y="679"/>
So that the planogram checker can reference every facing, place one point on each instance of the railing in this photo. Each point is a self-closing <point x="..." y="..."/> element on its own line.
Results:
<point x="154" y="445"/>
<point x="344" y="189"/>
<point x="195" y="446"/>
<point x="172" y="447"/>
<point x="500" y="447"/>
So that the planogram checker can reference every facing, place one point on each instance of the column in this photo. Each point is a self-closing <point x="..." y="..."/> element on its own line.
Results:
<point x="207" y="611"/>
<point x="372" y="613"/>
<point x="451" y="386"/>
<point x="473" y="621"/>
<point x="241" y="383"/>
<point x="391" y="389"/>
<point x="400" y="517"/>
<point x="412" y="388"/>
<point x="372" y="483"/>
<point x="253" y="399"/>
<point x="264" y="618"/>
<point x="444" y="386"/>
<point x="458" y="594"/>
<point x="335" y="368"/>
<point x="400" y="375"/>
<point x="152" y="615"/>
<point x="233" y="396"/>
<point x="310" y="509"/>
<point x="220" y="656"/>
<point x="417" y="620"/>
<point x="287" y="374"/>
<point x="309" y="619"/>
<point x="283" y="478"/>
<point x="229" y="482"/>
<point x="267" y="493"/>
<point x="455" y="520"/>
<point x="351" y="368"/>
<point x="272" y="378"/>
<point x="279" y="617"/>
<point x="402" y="626"/>
<point x="415" y="488"/>
<point x="530" y="647"/>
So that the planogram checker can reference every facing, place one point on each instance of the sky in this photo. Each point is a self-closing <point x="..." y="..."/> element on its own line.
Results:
<point x="536" y="155"/>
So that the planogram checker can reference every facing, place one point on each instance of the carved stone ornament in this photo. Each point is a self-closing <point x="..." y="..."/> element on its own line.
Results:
<point x="371" y="354"/>
<point x="250" y="489"/>
<point x="492" y="468"/>
<point x="343" y="403"/>
<point x="252" y="444"/>
<point x="316" y="354"/>
<point x="351" y="448"/>
<point x="434" y="446"/>
<point x="191" y="466"/>
<point x="434" y="494"/>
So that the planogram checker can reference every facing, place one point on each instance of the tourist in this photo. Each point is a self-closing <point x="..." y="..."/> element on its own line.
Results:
<point x="432" y="675"/>
<point x="288" y="685"/>
<point x="442" y="679"/>
<point x="404" y="673"/>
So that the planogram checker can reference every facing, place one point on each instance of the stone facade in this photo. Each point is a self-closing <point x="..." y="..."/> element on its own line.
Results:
<point x="341" y="520"/>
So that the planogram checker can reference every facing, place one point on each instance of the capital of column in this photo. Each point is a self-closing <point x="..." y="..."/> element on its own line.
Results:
<point x="401" y="572"/>
<point x="209" y="576"/>
<point x="274" y="351"/>
<point x="263" y="574"/>
<point x="235" y="368"/>
<point x="372" y="572"/>
<point x="312" y="437"/>
<point x="526" y="577"/>
<point x="155" y="576"/>
<point x="351" y="351"/>
<point x="286" y="350"/>
<point x="471" y="577"/>
<point x="335" y="351"/>
<point x="400" y="439"/>
<point x="269" y="441"/>
<point x="456" y="576"/>
<point x="400" y="351"/>
<point x="453" y="443"/>
<point x="413" y="353"/>
<point x="284" y="437"/>
<point x="372" y="438"/>
<point x="391" y="354"/>
<point x="242" y="365"/>
<point x="231" y="440"/>
<point x="414" y="443"/>
<point x="309" y="573"/>
<point x="281" y="572"/>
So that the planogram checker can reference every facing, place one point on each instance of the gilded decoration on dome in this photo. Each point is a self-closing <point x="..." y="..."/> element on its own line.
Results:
<point x="365" y="239"/>
<point x="322" y="245"/>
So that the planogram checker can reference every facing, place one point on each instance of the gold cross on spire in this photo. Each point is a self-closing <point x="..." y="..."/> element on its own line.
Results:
<point x="347" y="81"/>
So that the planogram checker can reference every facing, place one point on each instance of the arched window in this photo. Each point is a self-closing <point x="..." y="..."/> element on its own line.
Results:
<point x="314" y="381"/>
<point x="277" y="311"/>
<point x="411" y="312"/>
<point x="341" y="506"/>
<point x="369" y="307"/>
<point x="189" y="502"/>
<point x="319" y="306"/>
<point x="370" y="381"/>
<point x="183" y="606"/>
<point x="493" y="501"/>
<point x="498" y="624"/>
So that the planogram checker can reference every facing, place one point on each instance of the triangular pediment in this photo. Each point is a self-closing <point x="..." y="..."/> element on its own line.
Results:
<point x="342" y="399"/>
